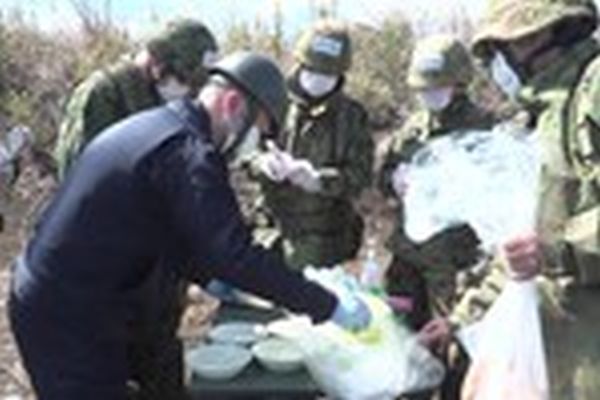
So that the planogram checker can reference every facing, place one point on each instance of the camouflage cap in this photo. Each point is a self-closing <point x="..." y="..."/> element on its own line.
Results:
<point x="325" y="48"/>
<point x="440" y="60"/>
<point x="182" y="47"/>
<point x="508" y="20"/>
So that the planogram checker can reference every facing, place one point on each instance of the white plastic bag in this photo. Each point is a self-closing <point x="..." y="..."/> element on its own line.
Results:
<point x="485" y="178"/>
<point x="379" y="363"/>
<point x="506" y="349"/>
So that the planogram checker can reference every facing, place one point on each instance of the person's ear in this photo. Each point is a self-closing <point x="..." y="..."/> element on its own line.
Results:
<point x="156" y="72"/>
<point x="232" y="102"/>
<point x="157" y="69"/>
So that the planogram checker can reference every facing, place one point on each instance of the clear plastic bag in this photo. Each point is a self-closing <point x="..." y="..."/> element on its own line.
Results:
<point x="488" y="179"/>
<point x="506" y="349"/>
<point x="379" y="363"/>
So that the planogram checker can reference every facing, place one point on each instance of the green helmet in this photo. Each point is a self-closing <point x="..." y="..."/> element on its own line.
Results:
<point x="440" y="60"/>
<point x="182" y="47"/>
<point x="508" y="20"/>
<point x="260" y="78"/>
<point x="325" y="48"/>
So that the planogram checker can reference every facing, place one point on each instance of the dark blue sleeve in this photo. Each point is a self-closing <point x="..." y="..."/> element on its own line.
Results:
<point x="192" y="179"/>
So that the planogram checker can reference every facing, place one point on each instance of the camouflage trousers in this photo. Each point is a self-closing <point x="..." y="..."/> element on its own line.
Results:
<point x="573" y="348"/>
<point x="404" y="279"/>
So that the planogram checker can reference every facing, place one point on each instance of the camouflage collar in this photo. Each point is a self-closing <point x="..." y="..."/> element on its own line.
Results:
<point x="314" y="109"/>
<point x="562" y="75"/>
<point x="138" y="90"/>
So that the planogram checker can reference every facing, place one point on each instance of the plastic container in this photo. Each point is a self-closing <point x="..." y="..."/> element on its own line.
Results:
<point x="218" y="361"/>
<point x="278" y="355"/>
<point x="237" y="333"/>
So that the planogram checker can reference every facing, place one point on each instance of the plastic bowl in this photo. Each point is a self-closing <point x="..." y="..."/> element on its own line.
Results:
<point x="218" y="361"/>
<point x="238" y="333"/>
<point x="278" y="355"/>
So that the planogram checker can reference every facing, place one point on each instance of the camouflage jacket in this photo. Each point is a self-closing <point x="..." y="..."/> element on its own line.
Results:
<point x="334" y="137"/>
<point x="421" y="127"/>
<point x="562" y="104"/>
<point x="106" y="97"/>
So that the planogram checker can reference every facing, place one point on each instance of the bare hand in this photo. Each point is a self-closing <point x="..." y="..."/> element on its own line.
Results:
<point x="524" y="256"/>
<point x="436" y="333"/>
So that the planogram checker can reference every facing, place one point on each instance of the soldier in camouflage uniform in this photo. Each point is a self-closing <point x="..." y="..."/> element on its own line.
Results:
<point x="440" y="73"/>
<point x="172" y="64"/>
<point x="423" y="275"/>
<point x="542" y="55"/>
<point x="330" y="154"/>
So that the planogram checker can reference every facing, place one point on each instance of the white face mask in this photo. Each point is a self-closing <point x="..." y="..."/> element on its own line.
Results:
<point x="436" y="99"/>
<point x="170" y="89"/>
<point x="505" y="76"/>
<point x="316" y="84"/>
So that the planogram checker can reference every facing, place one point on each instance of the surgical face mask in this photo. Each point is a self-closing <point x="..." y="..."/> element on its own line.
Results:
<point x="316" y="84"/>
<point x="504" y="75"/>
<point x="171" y="88"/>
<point x="436" y="99"/>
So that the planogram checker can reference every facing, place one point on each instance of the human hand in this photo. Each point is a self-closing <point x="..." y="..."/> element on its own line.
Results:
<point x="524" y="256"/>
<point x="435" y="333"/>
<point x="275" y="163"/>
<point x="351" y="313"/>
<point x="304" y="175"/>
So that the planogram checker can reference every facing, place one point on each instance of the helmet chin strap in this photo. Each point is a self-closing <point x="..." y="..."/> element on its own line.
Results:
<point x="525" y="68"/>
<point x="235" y="139"/>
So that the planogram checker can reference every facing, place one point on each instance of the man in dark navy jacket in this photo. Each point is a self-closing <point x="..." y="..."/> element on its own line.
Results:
<point x="154" y="183"/>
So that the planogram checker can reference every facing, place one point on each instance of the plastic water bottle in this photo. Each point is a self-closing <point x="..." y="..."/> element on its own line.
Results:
<point x="370" y="276"/>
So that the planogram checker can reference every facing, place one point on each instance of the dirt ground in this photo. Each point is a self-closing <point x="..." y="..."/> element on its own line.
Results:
<point x="23" y="205"/>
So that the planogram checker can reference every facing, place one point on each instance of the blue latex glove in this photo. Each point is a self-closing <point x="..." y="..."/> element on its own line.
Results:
<point x="221" y="290"/>
<point x="351" y="313"/>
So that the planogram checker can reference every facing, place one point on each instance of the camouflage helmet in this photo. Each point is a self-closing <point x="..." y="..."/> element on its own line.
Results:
<point x="260" y="78"/>
<point x="325" y="48"/>
<point x="182" y="47"/>
<point x="508" y="20"/>
<point x="440" y="60"/>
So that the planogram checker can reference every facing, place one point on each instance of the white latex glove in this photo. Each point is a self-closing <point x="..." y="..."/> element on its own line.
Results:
<point x="275" y="164"/>
<point x="304" y="175"/>
<point x="399" y="177"/>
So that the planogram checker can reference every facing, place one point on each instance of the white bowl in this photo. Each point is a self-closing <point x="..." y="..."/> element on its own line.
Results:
<point x="218" y="361"/>
<point x="278" y="355"/>
<point x="238" y="333"/>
